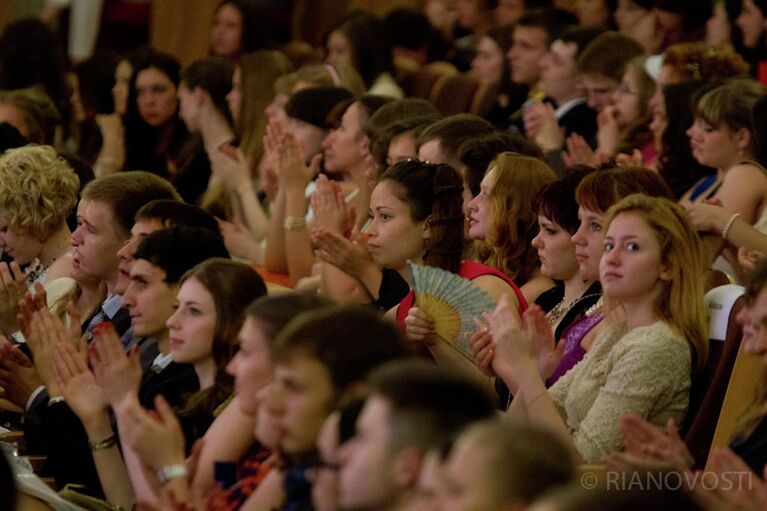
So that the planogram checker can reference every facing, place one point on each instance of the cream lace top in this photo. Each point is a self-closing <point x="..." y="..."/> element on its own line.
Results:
<point x="645" y="371"/>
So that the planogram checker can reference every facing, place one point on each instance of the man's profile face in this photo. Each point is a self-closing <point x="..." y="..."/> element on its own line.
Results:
<point x="367" y="476"/>
<point x="527" y="49"/>
<point x="301" y="399"/>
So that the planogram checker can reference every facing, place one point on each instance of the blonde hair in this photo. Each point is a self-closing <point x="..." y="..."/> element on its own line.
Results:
<point x="258" y="73"/>
<point x="38" y="190"/>
<point x="514" y="223"/>
<point x="681" y="302"/>
<point x="337" y="76"/>
<point x="731" y="105"/>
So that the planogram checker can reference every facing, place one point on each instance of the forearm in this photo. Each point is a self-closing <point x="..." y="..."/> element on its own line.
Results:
<point x="110" y="466"/>
<point x="341" y="286"/>
<point x="741" y="234"/>
<point x="298" y="245"/>
<point x="539" y="408"/>
<point x="111" y="157"/>
<point x="371" y="277"/>
<point x="228" y="439"/>
<point x="448" y="356"/>
<point x="274" y="258"/>
<point x="253" y="213"/>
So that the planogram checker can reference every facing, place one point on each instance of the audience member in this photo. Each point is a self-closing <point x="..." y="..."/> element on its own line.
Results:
<point x="412" y="407"/>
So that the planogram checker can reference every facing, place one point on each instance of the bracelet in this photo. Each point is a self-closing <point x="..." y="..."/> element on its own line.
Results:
<point x="728" y="225"/>
<point x="165" y="474"/>
<point x="54" y="400"/>
<point x="105" y="443"/>
<point x="293" y="223"/>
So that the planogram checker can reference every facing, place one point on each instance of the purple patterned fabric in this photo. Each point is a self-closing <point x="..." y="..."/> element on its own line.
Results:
<point x="573" y="350"/>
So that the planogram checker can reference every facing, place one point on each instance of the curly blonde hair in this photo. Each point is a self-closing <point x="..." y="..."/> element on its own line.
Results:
<point x="38" y="190"/>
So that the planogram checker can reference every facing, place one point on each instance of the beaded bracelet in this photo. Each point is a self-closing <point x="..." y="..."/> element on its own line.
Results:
<point x="105" y="443"/>
<point x="728" y="225"/>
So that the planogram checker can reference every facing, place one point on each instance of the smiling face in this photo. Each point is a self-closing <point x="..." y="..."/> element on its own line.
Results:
<point x="714" y="147"/>
<point x="488" y="62"/>
<point x="631" y="269"/>
<point x="149" y="299"/>
<point x="155" y="97"/>
<point x="393" y="235"/>
<point x="480" y="208"/>
<point x="193" y="324"/>
<point x="251" y="365"/>
<point x="588" y="243"/>
<point x="556" y="250"/>
<point x="95" y="243"/>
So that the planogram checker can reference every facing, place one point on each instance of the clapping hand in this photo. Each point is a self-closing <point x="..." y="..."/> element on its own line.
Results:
<point x="118" y="374"/>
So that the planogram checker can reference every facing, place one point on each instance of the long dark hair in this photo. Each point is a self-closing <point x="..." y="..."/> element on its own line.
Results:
<point x="369" y="42"/>
<point x="146" y="147"/>
<point x="433" y="192"/>
<point x="233" y="287"/>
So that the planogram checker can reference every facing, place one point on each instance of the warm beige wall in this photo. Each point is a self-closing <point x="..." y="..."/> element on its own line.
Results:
<point x="182" y="27"/>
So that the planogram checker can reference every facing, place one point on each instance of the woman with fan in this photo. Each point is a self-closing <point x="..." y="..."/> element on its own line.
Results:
<point x="651" y="272"/>
<point x="416" y="216"/>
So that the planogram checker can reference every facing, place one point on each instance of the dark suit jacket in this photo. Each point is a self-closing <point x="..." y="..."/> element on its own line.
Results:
<point x="66" y="442"/>
<point x="581" y="119"/>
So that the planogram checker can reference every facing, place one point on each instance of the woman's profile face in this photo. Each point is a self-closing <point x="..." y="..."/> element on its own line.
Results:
<point x="234" y="98"/>
<point x="713" y="147"/>
<point x="251" y="366"/>
<point x="480" y="208"/>
<point x="339" y="50"/>
<point x="21" y="246"/>
<point x="751" y="23"/>
<point x="588" y="242"/>
<point x="120" y="88"/>
<point x="626" y="99"/>
<point x="556" y="250"/>
<point x="155" y="97"/>
<point x="193" y="324"/>
<point x="488" y="64"/>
